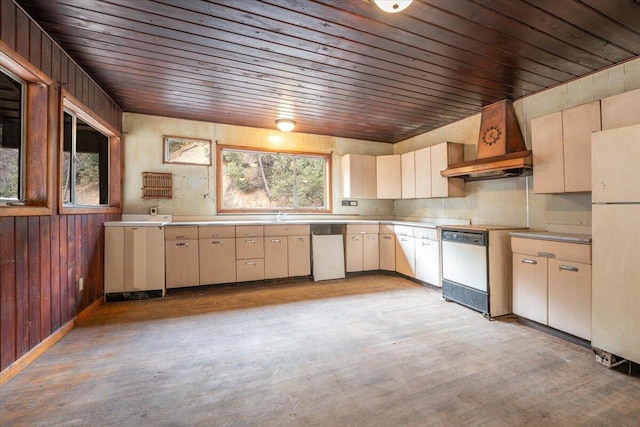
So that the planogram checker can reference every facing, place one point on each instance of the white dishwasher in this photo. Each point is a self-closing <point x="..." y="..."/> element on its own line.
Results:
<point x="476" y="268"/>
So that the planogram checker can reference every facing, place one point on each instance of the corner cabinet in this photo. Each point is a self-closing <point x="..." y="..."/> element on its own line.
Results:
<point x="134" y="259"/>
<point x="552" y="284"/>
<point x="561" y="144"/>
<point x="359" y="176"/>
<point x="387" y="247"/>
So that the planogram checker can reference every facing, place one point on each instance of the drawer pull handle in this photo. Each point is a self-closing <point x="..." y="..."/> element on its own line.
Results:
<point x="299" y="239"/>
<point x="403" y="234"/>
<point x="363" y="232"/>
<point x="529" y="261"/>
<point x="181" y="237"/>
<point x="426" y="244"/>
<point x="386" y="237"/>
<point x="355" y="237"/>
<point x="403" y="240"/>
<point x="182" y="244"/>
<point x="275" y="240"/>
<point x="371" y="236"/>
<point x="216" y="236"/>
<point x="252" y="263"/>
<point x="250" y="235"/>
<point x="133" y="228"/>
<point x="569" y="268"/>
<point x="218" y="243"/>
<point x="546" y="254"/>
<point x="250" y="241"/>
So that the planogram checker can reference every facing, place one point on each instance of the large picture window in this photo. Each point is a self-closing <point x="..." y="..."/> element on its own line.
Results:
<point x="12" y="114"/>
<point x="260" y="180"/>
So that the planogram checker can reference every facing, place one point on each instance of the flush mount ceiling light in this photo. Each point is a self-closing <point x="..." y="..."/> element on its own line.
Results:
<point x="285" y="125"/>
<point x="392" y="6"/>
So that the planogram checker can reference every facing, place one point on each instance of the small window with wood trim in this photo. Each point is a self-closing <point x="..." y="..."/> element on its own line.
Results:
<point x="12" y="115"/>
<point x="251" y="180"/>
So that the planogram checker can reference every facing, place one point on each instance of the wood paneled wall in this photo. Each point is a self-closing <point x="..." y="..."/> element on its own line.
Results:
<point x="42" y="257"/>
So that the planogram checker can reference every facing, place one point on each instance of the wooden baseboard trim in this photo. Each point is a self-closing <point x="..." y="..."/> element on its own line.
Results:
<point x="17" y="366"/>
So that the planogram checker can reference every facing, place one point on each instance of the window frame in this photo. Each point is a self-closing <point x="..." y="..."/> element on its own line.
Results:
<point x="23" y="131"/>
<point x="328" y="180"/>
<point x="38" y="139"/>
<point x="71" y="104"/>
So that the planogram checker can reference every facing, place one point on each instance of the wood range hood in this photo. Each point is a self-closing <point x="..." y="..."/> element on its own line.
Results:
<point x="501" y="153"/>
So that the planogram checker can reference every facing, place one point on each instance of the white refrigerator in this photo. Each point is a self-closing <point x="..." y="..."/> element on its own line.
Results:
<point x="615" y="321"/>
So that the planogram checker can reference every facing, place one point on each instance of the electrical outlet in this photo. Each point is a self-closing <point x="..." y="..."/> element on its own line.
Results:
<point x="81" y="284"/>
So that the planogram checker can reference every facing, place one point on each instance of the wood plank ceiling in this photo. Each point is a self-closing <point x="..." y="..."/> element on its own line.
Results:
<point x="338" y="67"/>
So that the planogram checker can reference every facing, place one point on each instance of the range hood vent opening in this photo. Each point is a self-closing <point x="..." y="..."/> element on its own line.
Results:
<point x="501" y="151"/>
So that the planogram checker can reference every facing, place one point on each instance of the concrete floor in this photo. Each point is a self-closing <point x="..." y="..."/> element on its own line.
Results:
<point x="366" y="351"/>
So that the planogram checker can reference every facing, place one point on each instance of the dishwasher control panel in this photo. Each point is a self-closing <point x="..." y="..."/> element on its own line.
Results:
<point x="478" y="238"/>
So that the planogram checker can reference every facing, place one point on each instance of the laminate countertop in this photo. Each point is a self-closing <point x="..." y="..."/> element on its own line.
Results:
<point x="584" y="239"/>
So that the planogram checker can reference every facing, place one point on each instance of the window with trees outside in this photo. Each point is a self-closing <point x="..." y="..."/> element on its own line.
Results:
<point x="262" y="180"/>
<point x="85" y="163"/>
<point x="12" y="96"/>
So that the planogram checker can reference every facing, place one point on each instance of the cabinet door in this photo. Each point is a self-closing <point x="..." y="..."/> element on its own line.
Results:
<point x="427" y="255"/>
<point x="442" y="155"/>
<point x="299" y="255"/>
<point x="408" y="169"/>
<point x="352" y="176"/>
<point x="423" y="173"/>
<point x="570" y="297"/>
<point x="387" y="253"/>
<point x="249" y="247"/>
<point x="370" y="252"/>
<point x="182" y="267"/>
<point x="578" y="124"/>
<point x="530" y="287"/>
<point x="548" y="153"/>
<point x="621" y="110"/>
<point x="388" y="177"/>
<point x="275" y="257"/>
<point x="113" y="259"/>
<point x="134" y="259"/>
<point x="354" y="252"/>
<point x="217" y="261"/>
<point x="405" y="256"/>
<point x="369" y="177"/>
<point x="154" y="258"/>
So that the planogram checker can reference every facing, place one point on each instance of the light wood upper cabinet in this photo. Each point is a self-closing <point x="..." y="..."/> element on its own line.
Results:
<point x="578" y="124"/>
<point x="423" y="173"/>
<point x="621" y="110"/>
<point x="389" y="177"/>
<point x="442" y="155"/>
<point x="408" y="175"/>
<point x="359" y="176"/>
<point x="561" y="144"/>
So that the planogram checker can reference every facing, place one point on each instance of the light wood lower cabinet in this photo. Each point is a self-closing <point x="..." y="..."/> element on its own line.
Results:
<point x="570" y="297"/>
<point x="530" y="287"/>
<point x="427" y="253"/>
<point x="181" y="254"/>
<point x="361" y="247"/>
<point x="405" y="251"/>
<point x="387" y="251"/>
<point x="299" y="255"/>
<point x="250" y="269"/>
<point x="217" y="261"/>
<point x="552" y="284"/>
<point x="276" y="262"/>
<point x="134" y="259"/>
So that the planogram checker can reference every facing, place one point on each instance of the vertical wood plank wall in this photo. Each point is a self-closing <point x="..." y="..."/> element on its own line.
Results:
<point x="42" y="257"/>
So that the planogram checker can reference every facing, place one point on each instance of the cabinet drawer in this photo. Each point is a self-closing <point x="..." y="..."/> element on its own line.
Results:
<point x="386" y="229"/>
<point x="403" y="230"/>
<point x="249" y="230"/>
<point x="216" y="232"/>
<point x="250" y="269"/>
<point x="560" y="250"/>
<point x="363" y="228"/>
<point x="425" y="233"/>
<point x="287" y="230"/>
<point x="180" y="233"/>
<point x="250" y="247"/>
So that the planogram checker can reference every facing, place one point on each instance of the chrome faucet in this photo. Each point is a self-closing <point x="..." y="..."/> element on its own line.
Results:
<point x="281" y="217"/>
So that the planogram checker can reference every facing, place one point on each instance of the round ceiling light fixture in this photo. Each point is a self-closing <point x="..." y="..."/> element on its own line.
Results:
<point x="393" y="6"/>
<point x="285" y="125"/>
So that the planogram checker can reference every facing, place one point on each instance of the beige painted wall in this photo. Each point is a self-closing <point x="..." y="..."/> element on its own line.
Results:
<point x="511" y="201"/>
<point x="194" y="187"/>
